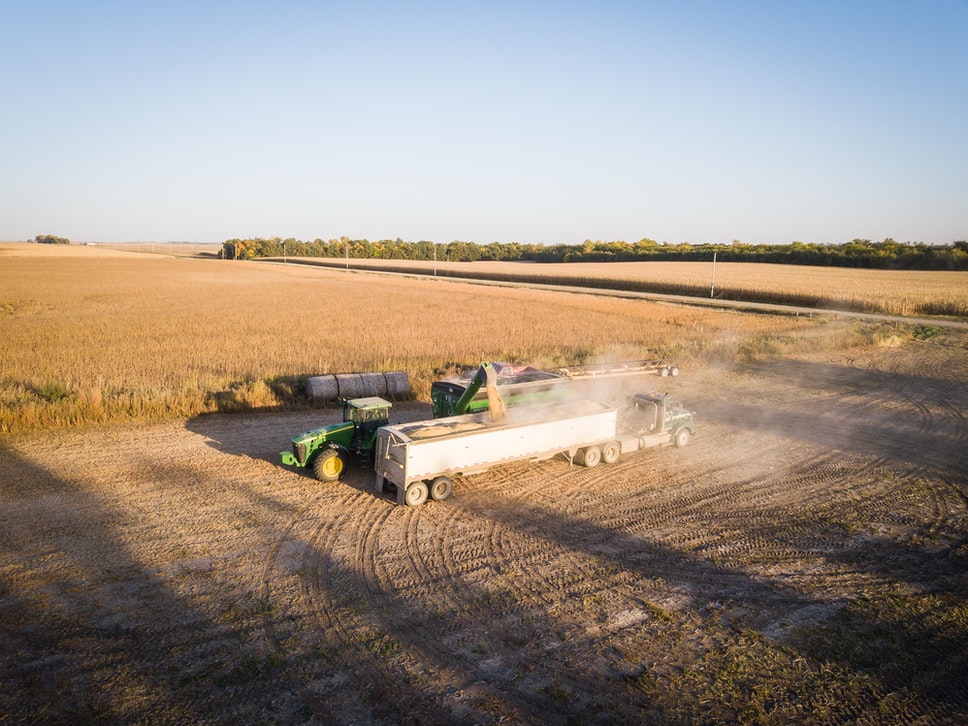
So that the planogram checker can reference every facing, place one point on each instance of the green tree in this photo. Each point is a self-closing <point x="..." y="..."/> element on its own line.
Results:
<point x="49" y="239"/>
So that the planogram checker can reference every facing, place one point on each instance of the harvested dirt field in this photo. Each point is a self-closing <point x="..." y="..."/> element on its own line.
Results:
<point x="804" y="559"/>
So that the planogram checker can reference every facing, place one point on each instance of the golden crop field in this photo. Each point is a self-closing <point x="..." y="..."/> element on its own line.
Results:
<point x="90" y="334"/>
<point x="892" y="292"/>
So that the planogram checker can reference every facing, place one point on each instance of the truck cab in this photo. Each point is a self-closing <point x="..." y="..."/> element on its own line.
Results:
<point x="327" y="449"/>
<point x="658" y="413"/>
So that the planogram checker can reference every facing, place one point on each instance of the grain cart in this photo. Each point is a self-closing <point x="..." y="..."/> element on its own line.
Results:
<point x="517" y="385"/>
<point x="525" y="385"/>
<point x="419" y="459"/>
<point x="328" y="448"/>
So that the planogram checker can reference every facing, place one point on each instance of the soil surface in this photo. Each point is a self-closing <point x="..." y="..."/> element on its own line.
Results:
<point x="803" y="558"/>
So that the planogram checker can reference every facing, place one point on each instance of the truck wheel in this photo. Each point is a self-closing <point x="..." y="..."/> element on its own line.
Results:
<point x="416" y="494"/>
<point x="682" y="437"/>
<point x="610" y="452"/>
<point x="591" y="456"/>
<point x="441" y="488"/>
<point x="329" y="465"/>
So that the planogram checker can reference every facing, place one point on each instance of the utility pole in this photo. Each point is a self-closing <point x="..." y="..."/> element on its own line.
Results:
<point x="712" y="285"/>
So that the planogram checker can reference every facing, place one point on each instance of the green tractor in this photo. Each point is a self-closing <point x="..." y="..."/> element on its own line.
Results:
<point x="328" y="448"/>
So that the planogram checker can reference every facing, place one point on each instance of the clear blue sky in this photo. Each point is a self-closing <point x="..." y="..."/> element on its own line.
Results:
<point x="546" y="122"/>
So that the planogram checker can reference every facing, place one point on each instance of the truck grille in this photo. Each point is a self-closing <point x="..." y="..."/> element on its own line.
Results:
<point x="300" y="452"/>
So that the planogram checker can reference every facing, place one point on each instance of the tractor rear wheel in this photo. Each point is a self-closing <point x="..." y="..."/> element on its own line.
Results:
<point x="416" y="494"/>
<point x="329" y="465"/>
<point x="441" y="488"/>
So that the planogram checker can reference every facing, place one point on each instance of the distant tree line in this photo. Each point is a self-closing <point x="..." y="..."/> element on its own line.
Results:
<point x="888" y="254"/>
<point x="49" y="239"/>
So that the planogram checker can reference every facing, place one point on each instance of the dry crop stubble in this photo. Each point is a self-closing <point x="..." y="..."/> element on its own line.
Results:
<point x="93" y="335"/>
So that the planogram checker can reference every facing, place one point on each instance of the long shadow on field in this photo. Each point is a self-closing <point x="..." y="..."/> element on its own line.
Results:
<point x="916" y="643"/>
<point x="913" y="636"/>
<point x="87" y="634"/>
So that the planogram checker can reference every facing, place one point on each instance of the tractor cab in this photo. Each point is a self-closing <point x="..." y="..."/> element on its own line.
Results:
<point x="366" y="415"/>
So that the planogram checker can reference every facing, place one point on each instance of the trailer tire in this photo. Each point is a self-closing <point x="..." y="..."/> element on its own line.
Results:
<point x="664" y="371"/>
<point x="682" y="436"/>
<point x="590" y="456"/>
<point x="329" y="465"/>
<point x="416" y="494"/>
<point x="441" y="488"/>
<point x="610" y="452"/>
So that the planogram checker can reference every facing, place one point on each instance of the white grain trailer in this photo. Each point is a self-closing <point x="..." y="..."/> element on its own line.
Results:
<point x="420" y="458"/>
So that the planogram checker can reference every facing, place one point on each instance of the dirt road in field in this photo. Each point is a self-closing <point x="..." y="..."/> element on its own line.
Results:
<point x="805" y="558"/>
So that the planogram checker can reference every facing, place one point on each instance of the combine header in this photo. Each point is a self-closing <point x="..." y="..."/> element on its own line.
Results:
<point x="599" y="370"/>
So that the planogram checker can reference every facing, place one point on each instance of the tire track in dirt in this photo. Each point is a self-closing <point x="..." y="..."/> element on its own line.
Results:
<point x="437" y="574"/>
<point x="338" y="589"/>
<point x="314" y="571"/>
<point x="371" y="603"/>
<point x="501" y="570"/>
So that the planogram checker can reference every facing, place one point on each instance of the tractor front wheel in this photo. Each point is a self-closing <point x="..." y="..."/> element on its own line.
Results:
<point x="329" y="465"/>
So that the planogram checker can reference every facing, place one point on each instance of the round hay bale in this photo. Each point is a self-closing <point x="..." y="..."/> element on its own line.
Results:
<point x="350" y="385"/>
<point x="374" y="384"/>
<point x="322" y="388"/>
<point x="398" y="384"/>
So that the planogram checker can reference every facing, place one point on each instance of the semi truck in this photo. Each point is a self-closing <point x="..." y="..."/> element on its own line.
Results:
<point x="419" y="460"/>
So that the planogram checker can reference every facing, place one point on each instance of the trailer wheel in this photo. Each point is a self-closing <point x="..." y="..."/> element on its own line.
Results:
<point x="591" y="456"/>
<point x="663" y="371"/>
<point x="329" y="465"/>
<point x="441" y="488"/>
<point x="416" y="494"/>
<point x="682" y="437"/>
<point x="610" y="452"/>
